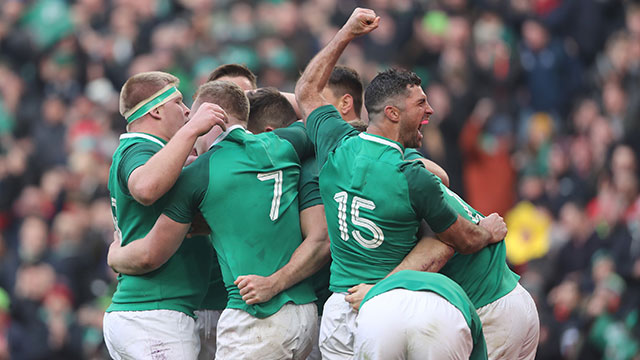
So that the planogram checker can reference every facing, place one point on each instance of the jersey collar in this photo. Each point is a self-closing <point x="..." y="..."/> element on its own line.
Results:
<point x="140" y="135"/>
<point x="227" y="132"/>
<point x="383" y="141"/>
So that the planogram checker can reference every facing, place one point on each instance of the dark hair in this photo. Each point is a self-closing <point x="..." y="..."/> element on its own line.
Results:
<point x="269" y="108"/>
<point x="233" y="70"/>
<point x="227" y="95"/>
<point x="345" y="80"/>
<point x="386" y="85"/>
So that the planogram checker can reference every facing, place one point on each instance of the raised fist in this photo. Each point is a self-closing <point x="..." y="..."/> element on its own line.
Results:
<point x="362" y="21"/>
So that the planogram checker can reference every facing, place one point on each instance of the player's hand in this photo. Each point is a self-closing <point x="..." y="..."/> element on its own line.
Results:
<point x="357" y="294"/>
<point x="496" y="226"/>
<point x="208" y="116"/>
<point x="114" y="250"/>
<point x="362" y="21"/>
<point x="256" y="289"/>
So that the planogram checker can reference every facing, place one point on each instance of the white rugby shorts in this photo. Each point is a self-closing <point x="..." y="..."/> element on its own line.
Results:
<point x="287" y="334"/>
<point x="151" y="334"/>
<point x="405" y="324"/>
<point x="337" y="328"/>
<point x="511" y="326"/>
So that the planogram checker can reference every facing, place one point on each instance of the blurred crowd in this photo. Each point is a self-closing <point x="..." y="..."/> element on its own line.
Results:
<point x="537" y="106"/>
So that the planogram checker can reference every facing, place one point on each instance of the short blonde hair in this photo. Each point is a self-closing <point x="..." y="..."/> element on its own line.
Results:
<point x="141" y="86"/>
<point x="227" y="95"/>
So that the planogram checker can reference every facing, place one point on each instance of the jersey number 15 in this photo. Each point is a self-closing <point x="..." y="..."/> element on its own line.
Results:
<point x="357" y="203"/>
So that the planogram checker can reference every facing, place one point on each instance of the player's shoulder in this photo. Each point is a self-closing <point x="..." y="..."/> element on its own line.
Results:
<point x="417" y="174"/>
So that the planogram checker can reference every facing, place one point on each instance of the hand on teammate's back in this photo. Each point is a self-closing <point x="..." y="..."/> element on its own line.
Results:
<point x="495" y="224"/>
<point x="357" y="294"/>
<point x="208" y="116"/>
<point x="362" y="21"/>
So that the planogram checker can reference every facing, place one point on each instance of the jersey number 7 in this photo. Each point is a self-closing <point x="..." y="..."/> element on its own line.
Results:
<point x="277" y="191"/>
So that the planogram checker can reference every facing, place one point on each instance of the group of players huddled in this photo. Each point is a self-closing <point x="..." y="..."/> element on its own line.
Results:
<point x="282" y="239"/>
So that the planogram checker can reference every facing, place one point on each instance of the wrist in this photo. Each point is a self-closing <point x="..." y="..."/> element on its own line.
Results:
<point x="187" y="132"/>
<point x="277" y="282"/>
<point x="345" y="35"/>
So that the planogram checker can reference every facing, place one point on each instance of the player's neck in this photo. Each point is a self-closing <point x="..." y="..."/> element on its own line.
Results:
<point x="234" y="121"/>
<point x="384" y="129"/>
<point x="147" y="127"/>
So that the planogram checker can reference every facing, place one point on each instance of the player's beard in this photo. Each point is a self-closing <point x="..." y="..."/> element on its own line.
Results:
<point x="411" y="137"/>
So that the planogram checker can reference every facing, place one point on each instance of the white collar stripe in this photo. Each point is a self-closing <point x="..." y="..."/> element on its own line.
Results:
<point x="381" y="141"/>
<point x="224" y="134"/>
<point x="142" y="136"/>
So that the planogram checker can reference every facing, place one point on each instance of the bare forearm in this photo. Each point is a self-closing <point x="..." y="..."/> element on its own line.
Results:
<point x="465" y="237"/>
<point x="429" y="255"/>
<point x="153" y="179"/>
<point x="131" y="259"/>
<point x="308" y="258"/>
<point x="149" y="253"/>
<point x="316" y="75"/>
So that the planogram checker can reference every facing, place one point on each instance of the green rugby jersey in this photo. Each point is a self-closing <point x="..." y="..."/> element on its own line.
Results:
<point x="374" y="200"/>
<point x="483" y="275"/>
<point x="246" y="186"/>
<point x="309" y="195"/>
<point x="176" y="285"/>
<point x="443" y="286"/>
<point x="216" y="297"/>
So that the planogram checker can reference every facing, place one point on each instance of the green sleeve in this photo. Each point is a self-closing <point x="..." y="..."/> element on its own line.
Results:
<point x="189" y="191"/>
<point x="327" y="129"/>
<point x="133" y="157"/>
<point x="427" y="198"/>
<point x="296" y="134"/>
<point x="308" y="188"/>
<point x="412" y="154"/>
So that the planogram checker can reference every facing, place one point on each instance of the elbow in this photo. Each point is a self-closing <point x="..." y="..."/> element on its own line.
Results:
<point x="144" y="194"/>
<point x="325" y="249"/>
<point x="146" y="264"/>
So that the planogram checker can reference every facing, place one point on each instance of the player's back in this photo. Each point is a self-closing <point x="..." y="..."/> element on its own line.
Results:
<point x="483" y="275"/>
<point x="371" y="222"/>
<point x="251" y="205"/>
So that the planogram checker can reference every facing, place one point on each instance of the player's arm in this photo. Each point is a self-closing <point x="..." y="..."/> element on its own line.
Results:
<point x="291" y="97"/>
<point x="437" y="170"/>
<point x="316" y="75"/>
<point x="306" y="260"/>
<point x="324" y="123"/>
<point x="165" y="237"/>
<point x="149" y="253"/>
<point x="454" y="230"/>
<point x="429" y="254"/>
<point x="149" y="182"/>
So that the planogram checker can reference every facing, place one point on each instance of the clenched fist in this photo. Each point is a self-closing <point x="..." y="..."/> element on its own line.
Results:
<point x="362" y="21"/>
<point x="496" y="226"/>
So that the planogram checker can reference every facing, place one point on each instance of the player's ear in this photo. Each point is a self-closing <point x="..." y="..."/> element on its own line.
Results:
<point x="346" y="104"/>
<point x="392" y="113"/>
<point x="156" y="113"/>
